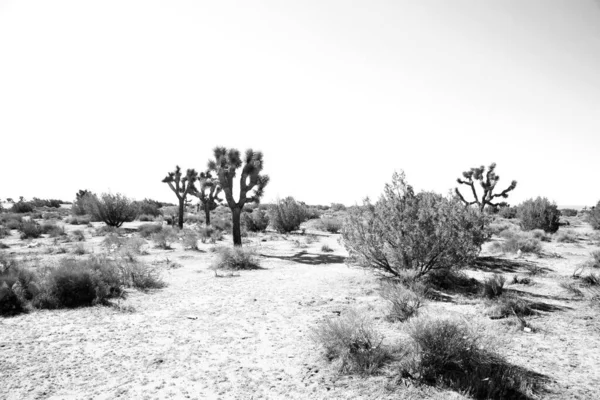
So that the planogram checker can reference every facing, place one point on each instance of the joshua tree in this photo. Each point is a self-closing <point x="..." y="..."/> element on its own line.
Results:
<point x="208" y="194"/>
<point x="252" y="183"/>
<point x="181" y="186"/>
<point x="488" y="181"/>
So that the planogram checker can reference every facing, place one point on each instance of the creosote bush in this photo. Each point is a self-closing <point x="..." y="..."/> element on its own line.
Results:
<point x="286" y="215"/>
<point x="30" y="230"/>
<point x="352" y="342"/>
<point x="539" y="213"/>
<point x="112" y="209"/>
<point x="405" y="231"/>
<point x="235" y="259"/>
<point x="256" y="221"/>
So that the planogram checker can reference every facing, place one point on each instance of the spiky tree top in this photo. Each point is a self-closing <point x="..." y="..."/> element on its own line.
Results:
<point x="181" y="185"/>
<point x="252" y="183"/>
<point x="209" y="189"/>
<point x="488" y="181"/>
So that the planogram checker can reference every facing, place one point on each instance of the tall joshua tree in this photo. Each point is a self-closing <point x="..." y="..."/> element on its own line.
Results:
<point x="252" y="183"/>
<point x="488" y="181"/>
<point x="208" y="193"/>
<point x="181" y="185"/>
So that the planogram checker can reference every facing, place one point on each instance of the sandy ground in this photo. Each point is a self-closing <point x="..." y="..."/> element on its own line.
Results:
<point x="248" y="336"/>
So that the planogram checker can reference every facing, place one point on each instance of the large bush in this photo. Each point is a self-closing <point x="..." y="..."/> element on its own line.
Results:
<point x="22" y="207"/>
<point x="149" y="207"/>
<point x="256" y="221"/>
<point x="539" y="214"/>
<point x="112" y="209"/>
<point x="287" y="215"/>
<point x="594" y="216"/>
<point x="405" y="231"/>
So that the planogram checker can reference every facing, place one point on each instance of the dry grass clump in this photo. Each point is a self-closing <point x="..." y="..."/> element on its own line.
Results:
<point x="79" y="249"/>
<point x="326" y="249"/>
<point x="164" y="238"/>
<point x="210" y="234"/>
<point x="566" y="236"/>
<point x="331" y="225"/>
<point x="147" y="230"/>
<point x="235" y="259"/>
<point x="451" y="353"/>
<point x="515" y="241"/>
<point x="78" y="236"/>
<point x="404" y="303"/>
<point x="509" y="305"/>
<point x="493" y="286"/>
<point x="190" y="239"/>
<point x="351" y="341"/>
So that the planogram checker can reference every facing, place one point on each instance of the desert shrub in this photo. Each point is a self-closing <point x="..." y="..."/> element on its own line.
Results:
<point x="540" y="235"/>
<point x="51" y="215"/>
<point x="78" y="235"/>
<point x="112" y="209"/>
<point x="79" y="206"/>
<point x="192" y="218"/>
<point x="133" y="246"/>
<point x="164" y="238"/>
<point x="518" y="241"/>
<point x="508" y="305"/>
<point x="147" y="230"/>
<point x="593" y="216"/>
<point x="10" y="304"/>
<point x="407" y="231"/>
<point x="146" y="218"/>
<point x="78" y="220"/>
<point x="568" y="212"/>
<point x="507" y="212"/>
<point x="22" y="207"/>
<point x="539" y="213"/>
<point x="235" y="259"/>
<point x="106" y="230"/>
<point x="17" y="286"/>
<point x="493" y="286"/>
<point x="567" y="236"/>
<point x="190" y="239"/>
<point x="497" y="227"/>
<point x="209" y="233"/>
<point x="148" y="207"/>
<point x="516" y="280"/>
<point x="332" y="225"/>
<point x="454" y="354"/>
<point x="326" y="249"/>
<point x="337" y="207"/>
<point x="573" y="288"/>
<point x="404" y="303"/>
<point x="51" y="203"/>
<point x="4" y="232"/>
<point x="352" y="342"/>
<point x="80" y="283"/>
<point x="257" y="221"/>
<point x="79" y="249"/>
<point x="287" y="215"/>
<point x="30" y="230"/>
<point x="141" y="276"/>
<point x="222" y="223"/>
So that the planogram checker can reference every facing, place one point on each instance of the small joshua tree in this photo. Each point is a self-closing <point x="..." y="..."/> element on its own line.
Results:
<point x="181" y="186"/>
<point x="208" y="194"/>
<point x="488" y="181"/>
<point x="252" y="183"/>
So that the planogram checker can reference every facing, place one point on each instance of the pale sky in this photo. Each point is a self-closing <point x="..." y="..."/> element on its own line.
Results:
<point x="111" y="95"/>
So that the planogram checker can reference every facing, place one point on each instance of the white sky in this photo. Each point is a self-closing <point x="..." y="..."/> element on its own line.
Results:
<point x="111" y="95"/>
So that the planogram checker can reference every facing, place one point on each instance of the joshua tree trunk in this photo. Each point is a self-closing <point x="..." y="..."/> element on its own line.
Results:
<point x="207" y="214"/>
<point x="181" y="206"/>
<point x="237" y="234"/>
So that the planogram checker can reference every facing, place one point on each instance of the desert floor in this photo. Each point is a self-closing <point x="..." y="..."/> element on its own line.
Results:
<point x="248" y="335"/>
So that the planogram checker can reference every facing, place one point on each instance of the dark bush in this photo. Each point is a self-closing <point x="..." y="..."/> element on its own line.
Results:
<point x="507" y="212"/>
<point x="22" y="207"/>
<point x="539" y="214"/>
<point x="287" y="215"/>
<point x="594" y="216"/>
<point x="451" y="353"/>
<point x="257" y="221"/>
<point x="493" y="286"/>
<point x="112" y="209"/>
<point x="10" y="304"/>
<point x="405" y="231"/>
<point x="30" y="230"/>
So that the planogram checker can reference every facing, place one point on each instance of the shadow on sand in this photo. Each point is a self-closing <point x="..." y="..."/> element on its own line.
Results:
<point x="304" y="257"/>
